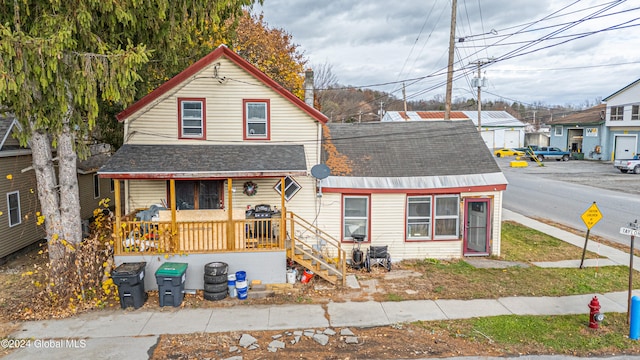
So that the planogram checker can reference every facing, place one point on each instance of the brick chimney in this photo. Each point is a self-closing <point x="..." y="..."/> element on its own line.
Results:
<point x="308" y="87"/>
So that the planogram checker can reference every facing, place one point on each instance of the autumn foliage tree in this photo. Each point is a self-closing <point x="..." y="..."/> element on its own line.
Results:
<point x="60" y="61"/>
<point x="271" y="50"/>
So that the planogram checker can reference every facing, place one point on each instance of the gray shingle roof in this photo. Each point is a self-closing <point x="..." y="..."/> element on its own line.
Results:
<point x="414" y="148"/>
<point x="206" y="160"/>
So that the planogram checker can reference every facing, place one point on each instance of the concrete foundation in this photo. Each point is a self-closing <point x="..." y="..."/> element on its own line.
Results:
<point x="269" y="267"/>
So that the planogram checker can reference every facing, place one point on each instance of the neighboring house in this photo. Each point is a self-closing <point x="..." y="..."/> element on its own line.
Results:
<point x="621" y="140"/>
<point x="405" y="185"/>
<point x="18" y="192"/>
<point x="210" y="154"/>
<point x="580" y="132"/>
<point x="18" y="196"/>
<point x="498" y="128"/>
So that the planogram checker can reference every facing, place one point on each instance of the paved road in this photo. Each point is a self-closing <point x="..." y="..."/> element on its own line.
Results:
<point x="562" y="191"/>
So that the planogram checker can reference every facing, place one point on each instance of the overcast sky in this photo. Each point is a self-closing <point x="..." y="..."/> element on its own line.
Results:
<point x="553" y="52"/>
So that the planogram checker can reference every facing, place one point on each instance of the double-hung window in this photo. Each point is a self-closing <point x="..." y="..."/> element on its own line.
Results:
<point x="191" y="118"/>
<point x="256" y="119"/>
<point x="432" y="217"/>
<point x="13" y="205"/>
<point x="355" y="216"/>
<point x="419" y="217"/>
<point x="558" y="130"/>
<point x="446" y="216"/>
<point x="635" y="112"/>
<point x="617" y="113"/>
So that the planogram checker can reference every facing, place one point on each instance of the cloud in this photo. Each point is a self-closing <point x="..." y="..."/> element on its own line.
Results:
<point x="378" y="41"/>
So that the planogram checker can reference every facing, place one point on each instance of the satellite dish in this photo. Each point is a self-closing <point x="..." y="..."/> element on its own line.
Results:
<point x="320" y="171"/>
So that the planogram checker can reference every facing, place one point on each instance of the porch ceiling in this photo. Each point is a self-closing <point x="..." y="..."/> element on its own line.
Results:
<point x="205" y="161"/>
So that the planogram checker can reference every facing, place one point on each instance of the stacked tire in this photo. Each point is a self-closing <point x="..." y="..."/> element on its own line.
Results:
<point x="215" y="281"/>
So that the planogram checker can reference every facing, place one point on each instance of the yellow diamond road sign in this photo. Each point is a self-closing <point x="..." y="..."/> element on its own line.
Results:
<point x="591" y="216"/>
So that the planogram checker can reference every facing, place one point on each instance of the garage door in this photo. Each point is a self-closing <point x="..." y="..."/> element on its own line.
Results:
<point x="625" y="147"/>
<point x="488" y="138"/>
<point x="511" y="138"/>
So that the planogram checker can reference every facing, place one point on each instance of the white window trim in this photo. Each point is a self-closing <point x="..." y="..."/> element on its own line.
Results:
<point x="278" y="186"/>
<point x="618" y="117"/>
<point x="182" y="118"/>
<point x="428" y="236"/>
<point x="366" y="218"/>
<point x="556" y="132"/>
<point x="635" y="115"/>
<point x="264" y="121"/>
<point x="17" y="193"/>
<point x="436" y="217"/>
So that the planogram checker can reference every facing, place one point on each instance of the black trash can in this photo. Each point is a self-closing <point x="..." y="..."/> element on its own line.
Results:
<point x="171" y="277"/>
<point x="129" y="277"/>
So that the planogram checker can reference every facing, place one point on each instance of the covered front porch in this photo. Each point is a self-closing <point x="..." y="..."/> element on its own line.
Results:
<point x="189" y="212"/>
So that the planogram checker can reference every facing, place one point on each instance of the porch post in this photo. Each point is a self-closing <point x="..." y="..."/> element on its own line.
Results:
<point x="174" y="229"/>
<point x="231" y="239"/>
<point x="283" y="214"/>
<point x="117" y="204"/>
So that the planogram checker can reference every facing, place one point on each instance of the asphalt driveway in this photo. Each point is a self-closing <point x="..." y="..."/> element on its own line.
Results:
<point x="600" y="174"/>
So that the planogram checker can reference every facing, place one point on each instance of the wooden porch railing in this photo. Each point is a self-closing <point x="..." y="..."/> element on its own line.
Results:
<point x="198" y="236"/>
<point x="305" y="243"/>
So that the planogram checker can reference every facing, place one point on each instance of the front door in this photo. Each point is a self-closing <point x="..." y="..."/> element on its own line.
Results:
<point x="477" y="227"/>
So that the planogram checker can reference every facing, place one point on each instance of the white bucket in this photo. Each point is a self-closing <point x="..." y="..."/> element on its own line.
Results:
<point x="291" y="277"/>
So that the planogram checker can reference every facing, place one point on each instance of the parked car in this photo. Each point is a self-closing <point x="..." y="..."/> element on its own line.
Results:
<point x="508" y="152"/>
<point x="549" y="152"/>
<point x="628" y="165"/>
<point x="527" y="149"/>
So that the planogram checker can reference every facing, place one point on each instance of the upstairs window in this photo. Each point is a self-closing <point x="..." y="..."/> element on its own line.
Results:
<point x="191" y="118"/>
<point x="291" y="187"/>
<point x="617" y="113"/>
<point x="635" y="112"/>
<point x="256" y="119"/>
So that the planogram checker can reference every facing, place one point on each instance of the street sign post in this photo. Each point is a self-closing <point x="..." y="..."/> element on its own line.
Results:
<point x="633" y="231"/>
<point x="590" y="217"/>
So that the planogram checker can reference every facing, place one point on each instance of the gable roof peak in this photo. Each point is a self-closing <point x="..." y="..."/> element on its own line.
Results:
<point x="208" y="59"/>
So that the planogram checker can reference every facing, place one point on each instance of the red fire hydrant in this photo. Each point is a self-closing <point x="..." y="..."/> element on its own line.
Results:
<point x="594" y="313"/>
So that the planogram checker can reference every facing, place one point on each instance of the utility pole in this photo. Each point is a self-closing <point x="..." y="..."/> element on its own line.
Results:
<point x="381" y="110"/>
<point x="404" y="96"/>
<point x="452" y="40"/>
<point x="479" y="83"/>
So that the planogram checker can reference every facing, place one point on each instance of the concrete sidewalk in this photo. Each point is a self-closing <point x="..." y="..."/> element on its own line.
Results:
<point x="132" y="333"/>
